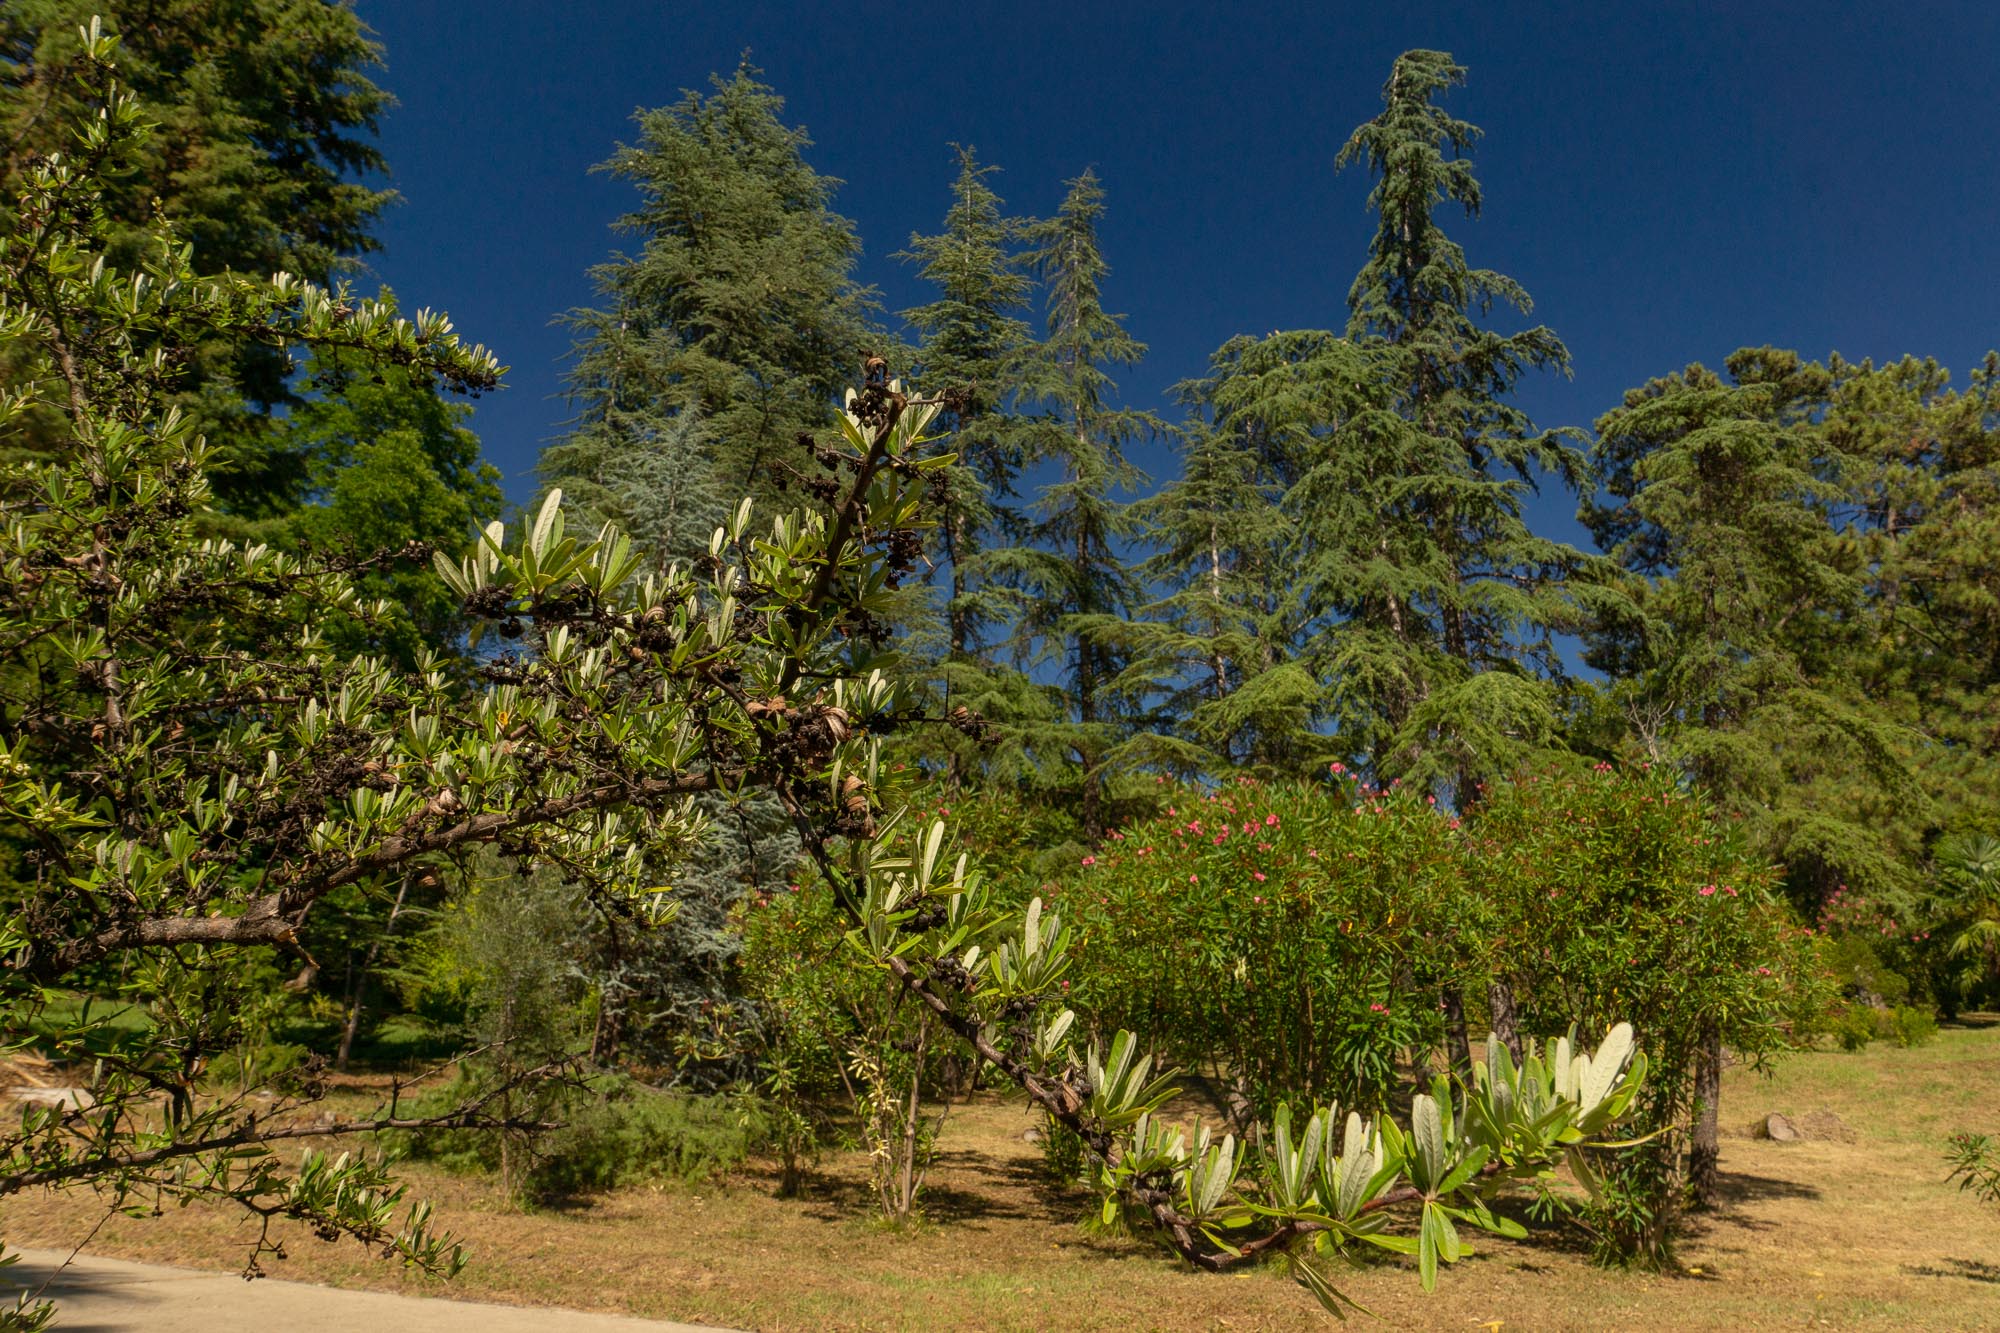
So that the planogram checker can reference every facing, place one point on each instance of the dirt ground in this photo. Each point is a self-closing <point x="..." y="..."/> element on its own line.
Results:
<point x="1852" y="1229"/>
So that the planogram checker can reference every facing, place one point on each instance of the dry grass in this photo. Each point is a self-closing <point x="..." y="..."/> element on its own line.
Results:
<point x="1820" y="1234"/>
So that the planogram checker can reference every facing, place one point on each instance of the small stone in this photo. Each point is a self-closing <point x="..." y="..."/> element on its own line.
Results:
<point x="1780" y="1129"/>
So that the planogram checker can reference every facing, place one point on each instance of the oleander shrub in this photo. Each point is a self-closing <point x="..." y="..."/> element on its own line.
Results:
<point x="1623" y="892"/>
<point x="1294" y="936"/>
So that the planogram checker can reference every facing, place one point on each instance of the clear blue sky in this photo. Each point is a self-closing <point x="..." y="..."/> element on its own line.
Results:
<point x="1669" y="183"/>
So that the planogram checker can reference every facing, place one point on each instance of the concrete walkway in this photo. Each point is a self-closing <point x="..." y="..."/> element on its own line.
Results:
<point x="101" y="1295"/>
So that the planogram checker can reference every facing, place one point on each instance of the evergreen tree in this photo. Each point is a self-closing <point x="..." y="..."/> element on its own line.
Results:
<point x="1734" y="661"/>
<point x="1445" y="605"/>
<point x="738" y="304"/>
<point x="1225" y="646"/>
<point x="972" y="340"/>
<point x="1923" y="519"/>
<point x="385" y="461"/>
<point x="1079" y="591"/>
<point x="264" y="110"/>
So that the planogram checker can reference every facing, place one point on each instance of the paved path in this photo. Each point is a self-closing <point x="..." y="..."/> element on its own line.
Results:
<point x="102" y="1295"/>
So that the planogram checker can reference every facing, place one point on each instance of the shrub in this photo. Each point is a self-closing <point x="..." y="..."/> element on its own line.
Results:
<point x="1908" y="1025"/>
<point x="1856" y="967"/>
<point x="632" y="1134"/>
<point x="1296" y="936"/>
<point x="615" y="1131"/>
<point x="1620" y="895"/>
<point x="1856" y="1025"/>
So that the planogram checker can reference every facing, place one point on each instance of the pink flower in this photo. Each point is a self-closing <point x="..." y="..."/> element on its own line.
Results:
<point x="1763" y="971"/>
<point x="1270" y="821"/>
<point x="1336" y="768"/>
<point x="1313" y="852"/>
<point x="1257" y="875"/>
<point x="1193" y="878"/>
<point x="1090" y="860"/>
<point x="1378" y="1008"/>
<point x="1431" y="800"/>
<point x="1256" y="900"/>
<point x="1707" y="890"/>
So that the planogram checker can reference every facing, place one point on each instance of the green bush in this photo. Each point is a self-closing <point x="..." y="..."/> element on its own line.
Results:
<point x="1221" y="924"/>
<point x="1621" y="896"/>
<point x="1855" y="1026"/>
<point x="1908" y="1025"/>
<point x="1856" y="966"/>
<point x="633" y="1134"/>
<point x="615" y="1132"/>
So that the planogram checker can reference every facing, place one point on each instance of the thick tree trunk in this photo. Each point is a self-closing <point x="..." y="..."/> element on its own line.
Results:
<point x="1500" y="999"/>
<point x="1705" y="1151"/>
<point x="1457" y="1042"/>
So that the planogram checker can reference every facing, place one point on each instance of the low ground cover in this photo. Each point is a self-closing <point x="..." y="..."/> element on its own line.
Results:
<point x="1852" y="1228"/>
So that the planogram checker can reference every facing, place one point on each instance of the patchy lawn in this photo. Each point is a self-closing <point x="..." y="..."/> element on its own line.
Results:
<point x="1827" y="1233"/>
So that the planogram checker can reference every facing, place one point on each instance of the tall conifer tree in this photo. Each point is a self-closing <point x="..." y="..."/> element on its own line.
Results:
<point x="973" y="340"/>
<point x="1459" y="637"/>
<point x="266" y="114"/>
<point x="738" y="305"/>
<point x="1078" y="588"/>
<point x="1737" y="661"/>
<point x="1226" y="647"/>
<point x="1923" y="521"/>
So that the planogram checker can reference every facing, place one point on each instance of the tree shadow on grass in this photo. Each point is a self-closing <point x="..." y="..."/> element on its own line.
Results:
<point x="1971" y="1270"/>
<point x="1738" y="1188"/>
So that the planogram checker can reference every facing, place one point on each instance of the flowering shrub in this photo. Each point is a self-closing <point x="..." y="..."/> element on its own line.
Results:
<point x="1303" y="937"/>
<point x="1619" y="892"/>
<point x="1297" y="936"/>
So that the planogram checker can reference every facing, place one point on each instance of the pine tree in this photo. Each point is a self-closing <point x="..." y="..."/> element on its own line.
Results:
<point x="1080" y="592"/>
<point x="1446" y="604"/>
<point x="1922" y="516"/>
<point x="1225" y="646"/>
<point x="1736" y="659"/>
<point x="386" y="460"/>
<point x="738" y="304"/>
<point x="265" y="116"/>
<point x="972" y="340"/>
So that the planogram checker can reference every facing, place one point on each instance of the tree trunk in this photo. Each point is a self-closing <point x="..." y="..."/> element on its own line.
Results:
<point x="1500" y="999"/>
<point x="359" y="984"/>
<point x="1704" y="1151"/>
<point x="906" y="1186"/>
<point x="1457" y="1043"/>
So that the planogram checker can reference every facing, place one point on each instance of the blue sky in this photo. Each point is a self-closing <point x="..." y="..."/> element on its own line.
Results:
<point x="1669" y="183"/>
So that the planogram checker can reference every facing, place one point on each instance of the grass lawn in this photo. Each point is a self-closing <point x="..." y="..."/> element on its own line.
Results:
<point x="1828" y="1233"/>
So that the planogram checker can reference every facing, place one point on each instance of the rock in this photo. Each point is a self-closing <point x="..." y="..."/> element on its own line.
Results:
<point x="1779" y="1129"/>
<point x="80" y="1098"/>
